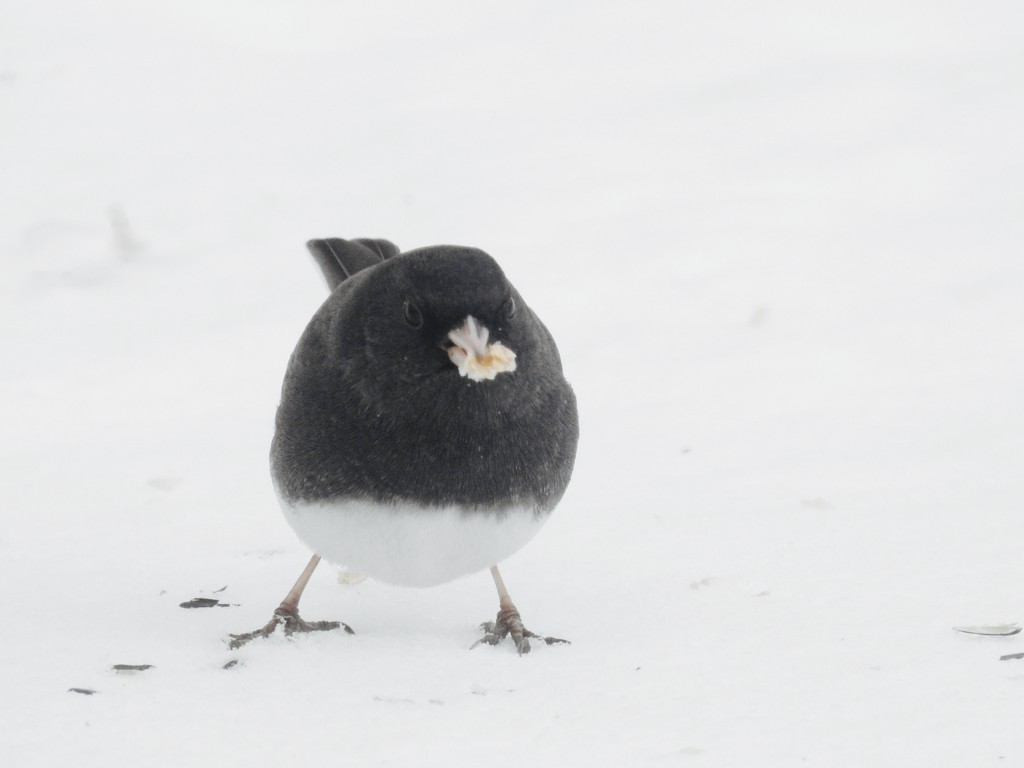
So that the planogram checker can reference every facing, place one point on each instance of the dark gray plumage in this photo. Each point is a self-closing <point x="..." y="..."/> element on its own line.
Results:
<point x="373" y="408"/>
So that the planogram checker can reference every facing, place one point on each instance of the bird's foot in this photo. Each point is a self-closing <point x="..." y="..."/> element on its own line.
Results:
<point x="288" y="618"/>
<point x="509" y="622"/>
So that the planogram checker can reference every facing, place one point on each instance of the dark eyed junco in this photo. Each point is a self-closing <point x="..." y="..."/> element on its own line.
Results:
<point x="425" y="430"/>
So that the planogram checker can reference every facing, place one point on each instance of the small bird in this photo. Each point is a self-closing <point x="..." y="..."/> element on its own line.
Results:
<point x="425" y="430"/>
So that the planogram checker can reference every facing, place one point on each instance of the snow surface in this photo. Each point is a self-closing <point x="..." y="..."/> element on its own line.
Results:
<point x="780" y="247"/>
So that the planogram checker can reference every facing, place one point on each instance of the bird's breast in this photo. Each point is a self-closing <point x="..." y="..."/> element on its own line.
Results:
<point x="409" y="544"/>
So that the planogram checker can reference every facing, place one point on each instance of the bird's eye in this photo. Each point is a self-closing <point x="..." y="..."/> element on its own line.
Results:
<point x="413" y="316"/>
<point x="510" y="308"/>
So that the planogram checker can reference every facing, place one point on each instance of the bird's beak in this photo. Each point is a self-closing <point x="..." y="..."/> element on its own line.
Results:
<point x="474" y="357"/>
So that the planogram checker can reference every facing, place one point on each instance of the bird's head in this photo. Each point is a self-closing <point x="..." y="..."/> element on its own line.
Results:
<point x="437" y="318"/>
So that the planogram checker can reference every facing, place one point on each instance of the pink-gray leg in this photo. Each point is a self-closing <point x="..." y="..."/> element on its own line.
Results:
<point x="509" y="622"/>
<point x="287" y="614"/>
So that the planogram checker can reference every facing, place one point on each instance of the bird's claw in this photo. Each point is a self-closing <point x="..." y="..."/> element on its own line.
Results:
<point x="509" y="623"/>
<point x="291" y="622"/>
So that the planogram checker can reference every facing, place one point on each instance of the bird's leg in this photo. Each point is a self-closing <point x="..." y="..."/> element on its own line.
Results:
<point x="287" y="614"/>
<point x="508" y="622"/>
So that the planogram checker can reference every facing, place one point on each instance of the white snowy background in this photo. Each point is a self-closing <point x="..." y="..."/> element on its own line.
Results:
<point x="779" y="245"/>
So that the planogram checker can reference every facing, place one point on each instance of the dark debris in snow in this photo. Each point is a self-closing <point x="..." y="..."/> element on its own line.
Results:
<point x="205" y="602"/>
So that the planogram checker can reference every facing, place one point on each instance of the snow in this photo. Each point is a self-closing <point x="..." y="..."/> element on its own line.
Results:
<point x="779" y="247"/>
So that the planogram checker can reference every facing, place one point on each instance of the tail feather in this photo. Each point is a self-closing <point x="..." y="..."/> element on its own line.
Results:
<point x="383" y="248"/>
<point x="340" y="259"/>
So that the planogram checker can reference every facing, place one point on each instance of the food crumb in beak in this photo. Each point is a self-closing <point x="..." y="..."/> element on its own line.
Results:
<point x="474" y="357"/>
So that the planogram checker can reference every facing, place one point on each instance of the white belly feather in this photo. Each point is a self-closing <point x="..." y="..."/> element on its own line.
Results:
<point x="408" y="545"/>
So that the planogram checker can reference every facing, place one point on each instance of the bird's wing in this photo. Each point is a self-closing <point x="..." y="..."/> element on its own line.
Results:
<point x="340" y="259"/>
